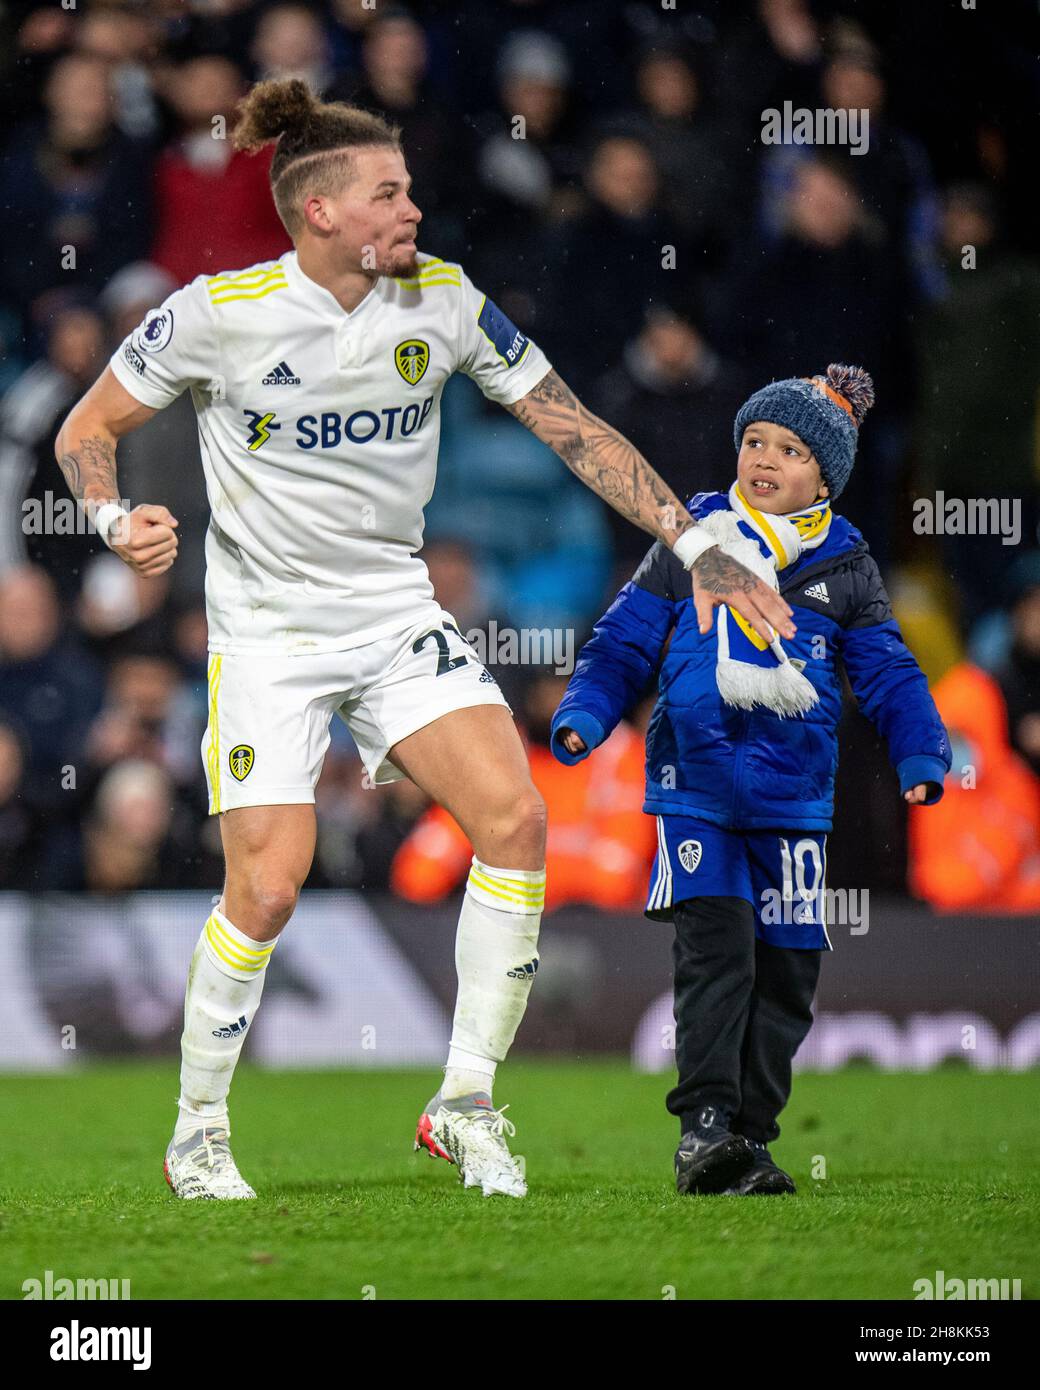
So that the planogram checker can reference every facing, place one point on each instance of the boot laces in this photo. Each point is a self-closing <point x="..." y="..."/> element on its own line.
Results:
<point x="216" y="1149"/>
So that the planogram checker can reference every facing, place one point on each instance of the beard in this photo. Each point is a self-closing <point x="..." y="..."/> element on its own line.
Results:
<point x="400" y="261"/>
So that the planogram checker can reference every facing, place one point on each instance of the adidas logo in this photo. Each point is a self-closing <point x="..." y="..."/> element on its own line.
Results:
<point x="818" y="591"/>
<point x="524" y="972"/>
<point x="232" y="1030"/>
<point x="282" y="375"/>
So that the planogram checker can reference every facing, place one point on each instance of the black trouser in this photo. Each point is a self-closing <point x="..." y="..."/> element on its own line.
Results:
<point x="742" y="1010"/>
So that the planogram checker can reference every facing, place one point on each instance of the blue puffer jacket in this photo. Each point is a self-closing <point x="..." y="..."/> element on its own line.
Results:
<point x="752" y="769"/>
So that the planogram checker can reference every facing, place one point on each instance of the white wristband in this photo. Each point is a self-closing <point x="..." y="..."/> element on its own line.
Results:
<point x="692" y="544"/>
<point x="107" y="516"/>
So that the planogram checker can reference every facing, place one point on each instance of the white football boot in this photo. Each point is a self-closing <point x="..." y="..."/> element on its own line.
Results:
<point x="469" y="1132"/>
<point x="201" y="1166"/>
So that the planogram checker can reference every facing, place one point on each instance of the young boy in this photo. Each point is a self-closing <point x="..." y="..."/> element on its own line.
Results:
<point x="741" y="756"/>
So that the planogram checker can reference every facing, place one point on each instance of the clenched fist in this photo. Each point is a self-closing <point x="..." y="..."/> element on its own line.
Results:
<point x="146" y="539"/>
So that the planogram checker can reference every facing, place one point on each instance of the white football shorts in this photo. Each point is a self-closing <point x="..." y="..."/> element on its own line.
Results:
<point x="269" y="715"/>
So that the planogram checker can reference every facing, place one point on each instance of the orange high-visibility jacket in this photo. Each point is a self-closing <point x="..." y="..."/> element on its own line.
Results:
<point x="979" y="847"/>
<point x="600" y="844"/>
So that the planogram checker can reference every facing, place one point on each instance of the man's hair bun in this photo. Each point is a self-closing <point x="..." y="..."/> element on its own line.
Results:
<point x="305" y="128"/>
<point x="272" y="109"/>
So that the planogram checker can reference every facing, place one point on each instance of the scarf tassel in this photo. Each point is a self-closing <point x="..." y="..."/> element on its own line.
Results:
<point x="749" y="678"/>
<point x="784" y="690"/>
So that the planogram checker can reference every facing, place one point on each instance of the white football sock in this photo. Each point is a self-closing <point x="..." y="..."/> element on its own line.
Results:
<point x="465" y="1074"/>
<point x="496" y="956"/>
<point x="225" y="982"/>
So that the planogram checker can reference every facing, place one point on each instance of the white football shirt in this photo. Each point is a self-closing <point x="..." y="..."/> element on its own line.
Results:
<point x="319" y="432"/>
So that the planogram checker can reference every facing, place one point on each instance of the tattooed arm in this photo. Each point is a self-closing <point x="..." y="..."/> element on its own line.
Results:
<point x="612" y="467"/>
<point x="603" y="459"/>
<point x="86" y="452"/>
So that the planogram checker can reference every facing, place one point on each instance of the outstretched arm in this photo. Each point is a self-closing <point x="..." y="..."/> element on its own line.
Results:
<point x="606" y="462"/>
<point x="891" y="689"/>
<point x="86" y="452"/>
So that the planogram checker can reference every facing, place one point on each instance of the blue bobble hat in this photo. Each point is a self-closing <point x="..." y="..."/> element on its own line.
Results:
<point x="824" y="411"/>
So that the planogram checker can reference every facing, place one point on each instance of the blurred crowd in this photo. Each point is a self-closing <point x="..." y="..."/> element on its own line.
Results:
<point x="598" y="168"/>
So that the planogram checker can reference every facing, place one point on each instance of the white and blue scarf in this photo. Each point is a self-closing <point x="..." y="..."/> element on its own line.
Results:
<point x="750" y="672"/>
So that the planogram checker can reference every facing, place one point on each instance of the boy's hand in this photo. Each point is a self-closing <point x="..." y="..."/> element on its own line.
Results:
<point x="916" y="794"/>
<point x="574" y="743"/>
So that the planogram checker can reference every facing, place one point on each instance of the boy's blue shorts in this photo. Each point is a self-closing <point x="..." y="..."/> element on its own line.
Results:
<point x="782" y="876"/>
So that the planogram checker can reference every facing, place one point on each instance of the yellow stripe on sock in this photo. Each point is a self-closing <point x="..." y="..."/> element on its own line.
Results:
<point x="510" y="890"/>
<point x="232" y="953"/>
<point x="516" y="885"/>
<point x="226" y="956"/>
<point x="229" y="959"/>
<point x="258" y="951"/>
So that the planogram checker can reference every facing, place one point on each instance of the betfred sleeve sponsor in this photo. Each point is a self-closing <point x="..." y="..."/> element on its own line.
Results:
<point x="499" y="356"/>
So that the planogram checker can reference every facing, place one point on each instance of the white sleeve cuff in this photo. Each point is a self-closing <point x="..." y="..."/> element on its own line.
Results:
<point x="105" y="518"/>
<point x="692" y="544"/>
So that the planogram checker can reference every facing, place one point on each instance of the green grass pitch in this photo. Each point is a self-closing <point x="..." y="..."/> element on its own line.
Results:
<point x="923" y="1173"/>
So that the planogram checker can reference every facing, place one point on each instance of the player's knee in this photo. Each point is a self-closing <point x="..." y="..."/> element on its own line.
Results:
<point x="520" y="826"/>
<point x="535" y="816"/>
<point x="277" y="900"/>
<point x="269" y="902"/>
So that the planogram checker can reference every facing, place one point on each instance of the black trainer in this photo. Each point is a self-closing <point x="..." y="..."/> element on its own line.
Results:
<point x="710" y="1157"/>
<point x="763" y="1179"/>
